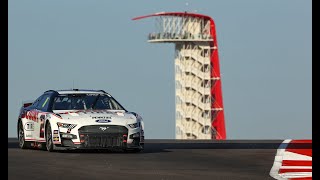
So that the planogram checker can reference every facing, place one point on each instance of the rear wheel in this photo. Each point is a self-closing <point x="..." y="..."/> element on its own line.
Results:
<point x="49" y="143"/>
<point x="22" y="143"/>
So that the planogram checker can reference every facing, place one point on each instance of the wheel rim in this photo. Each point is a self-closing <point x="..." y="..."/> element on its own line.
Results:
<point x="21" y="136"/>
<point x="49" y="137"/>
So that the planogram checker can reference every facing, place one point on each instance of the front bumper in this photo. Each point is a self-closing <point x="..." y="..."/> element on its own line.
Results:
<point x="104" y="137"/>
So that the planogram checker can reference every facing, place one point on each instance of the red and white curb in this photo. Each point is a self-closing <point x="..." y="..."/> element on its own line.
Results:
<point x="292" y="163"/>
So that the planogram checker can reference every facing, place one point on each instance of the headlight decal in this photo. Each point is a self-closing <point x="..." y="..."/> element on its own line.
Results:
<point x="134" y="125"/>
<point x="65" y="125"/>
<point x="68" y="136"/>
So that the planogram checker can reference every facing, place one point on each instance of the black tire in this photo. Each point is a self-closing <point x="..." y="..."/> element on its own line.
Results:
<point x="22" y="143"/>
<point x="49" y="142"/>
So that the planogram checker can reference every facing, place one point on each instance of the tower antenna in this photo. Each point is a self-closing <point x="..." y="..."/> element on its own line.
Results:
<point x="187" y="4"/>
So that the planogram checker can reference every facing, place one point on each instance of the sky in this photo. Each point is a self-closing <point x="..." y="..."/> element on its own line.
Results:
<point x="264" y="51"/>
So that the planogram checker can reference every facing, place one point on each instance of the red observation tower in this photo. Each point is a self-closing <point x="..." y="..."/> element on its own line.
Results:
<point x="199" y="105"/>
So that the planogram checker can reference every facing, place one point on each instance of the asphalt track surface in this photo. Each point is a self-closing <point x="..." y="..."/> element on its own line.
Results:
<point x="161" y="159"/>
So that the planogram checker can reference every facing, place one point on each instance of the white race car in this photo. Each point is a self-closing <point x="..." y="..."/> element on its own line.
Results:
<point x="79" y="119"/>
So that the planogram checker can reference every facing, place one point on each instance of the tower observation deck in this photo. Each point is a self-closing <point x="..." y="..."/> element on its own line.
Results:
<point x="199" y="105"/>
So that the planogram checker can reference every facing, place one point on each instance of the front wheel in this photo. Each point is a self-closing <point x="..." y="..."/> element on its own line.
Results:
<point x="49" y="143"/>
<point x="22" y="143"/>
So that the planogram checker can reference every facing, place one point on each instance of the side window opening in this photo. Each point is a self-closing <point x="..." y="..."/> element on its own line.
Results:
<point x="43" y="103"/>
<point x="36" y="102"/>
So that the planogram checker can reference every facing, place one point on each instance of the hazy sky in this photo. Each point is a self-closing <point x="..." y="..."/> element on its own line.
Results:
<point x="264" y="49"/>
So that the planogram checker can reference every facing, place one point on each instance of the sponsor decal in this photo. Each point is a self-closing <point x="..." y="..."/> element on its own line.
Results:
<point x="29" y="126"/>
<point x="42" y="118"/>
<point x="93" y="94"/>
<point x="120" y="114"/>
<point x="55" y="134"/>
<point x="103" y="120"/>
<point x="103" y="128"/>
<point x="101" y="117"/>
<point x="28" y="135"/>
<point x="32" y="115"/>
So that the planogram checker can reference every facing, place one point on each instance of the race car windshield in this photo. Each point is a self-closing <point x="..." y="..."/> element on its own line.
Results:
<point x="85" y="101"/>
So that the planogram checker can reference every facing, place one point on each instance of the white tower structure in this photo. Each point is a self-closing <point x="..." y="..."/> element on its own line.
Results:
<point x="199" y="108"/>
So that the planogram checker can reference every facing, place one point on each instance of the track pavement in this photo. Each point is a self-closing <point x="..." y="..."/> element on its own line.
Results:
<point x="161" y="159"/>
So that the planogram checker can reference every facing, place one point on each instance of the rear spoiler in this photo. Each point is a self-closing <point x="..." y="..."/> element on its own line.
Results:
<point x="27" y="103"/>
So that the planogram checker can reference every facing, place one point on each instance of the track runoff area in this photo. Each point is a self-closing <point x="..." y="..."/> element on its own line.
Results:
<point x="170" y="159"/>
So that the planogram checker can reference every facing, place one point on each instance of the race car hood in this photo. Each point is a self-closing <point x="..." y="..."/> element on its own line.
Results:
<point x="110" y="117"/>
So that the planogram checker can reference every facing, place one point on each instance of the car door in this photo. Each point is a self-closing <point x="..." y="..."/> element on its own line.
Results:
<point x="41" y="108"/>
